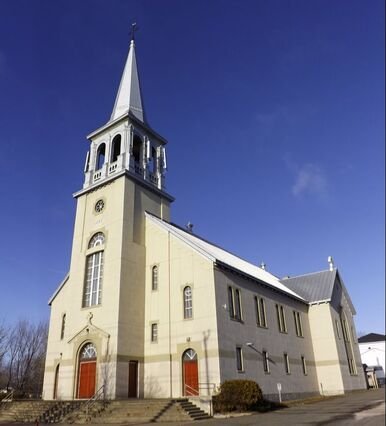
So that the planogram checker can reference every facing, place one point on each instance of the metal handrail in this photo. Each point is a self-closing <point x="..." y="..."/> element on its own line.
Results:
<point x="209" y="386"/>
<point x="96" y="397"/>
<point x="195" y="392"/>
<point x="8" y="397"/>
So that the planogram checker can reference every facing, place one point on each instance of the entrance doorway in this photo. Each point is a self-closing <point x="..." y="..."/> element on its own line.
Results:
<point x="87" y="371"/>
<point x="133" y="379"/>
<point x="190" y="373"/>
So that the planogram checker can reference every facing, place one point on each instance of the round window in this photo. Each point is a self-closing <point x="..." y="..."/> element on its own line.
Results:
<point x="99" y="206"/>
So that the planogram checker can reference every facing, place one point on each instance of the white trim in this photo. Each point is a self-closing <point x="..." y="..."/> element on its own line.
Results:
<point x="57" y="291"/>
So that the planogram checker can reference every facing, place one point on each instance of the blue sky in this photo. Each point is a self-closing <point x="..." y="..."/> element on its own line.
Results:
<point x="274" y="112"/>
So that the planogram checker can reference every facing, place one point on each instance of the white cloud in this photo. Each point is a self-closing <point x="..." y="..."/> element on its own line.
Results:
<point x="310" y="179"/>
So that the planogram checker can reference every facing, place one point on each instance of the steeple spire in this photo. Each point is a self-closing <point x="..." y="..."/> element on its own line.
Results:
<point x="129" y="93"/>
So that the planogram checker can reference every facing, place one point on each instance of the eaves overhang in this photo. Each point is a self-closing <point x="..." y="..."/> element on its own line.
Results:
<point x="57" y="291"/>
<point x="252" y="278"/>
<point x="128" y="115"/>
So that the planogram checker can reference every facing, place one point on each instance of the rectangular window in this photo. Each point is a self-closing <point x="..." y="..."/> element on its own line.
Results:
<point x="154" y="332"/>
<point x="298" y="324"/>
<point x="286" y="364"/>
<point x="304" y="366"/>
<point x="188" y="303"/>
<point x="337" y="329"/>
<point x="351" y="366"/>
<point x="280" y="313"/>
<point x="265" y="362"/>
<point x="231" y="304"/>
<point x="237" y="305"/>
<point x="63" y="326"/>
<point x="234" y="297"/>
<point x="354" y="340"/>
<point x="261" y="319"/>
<point x="263" y="315"/>
<point x="239" y="359"/>
<point x="345" y="331"/>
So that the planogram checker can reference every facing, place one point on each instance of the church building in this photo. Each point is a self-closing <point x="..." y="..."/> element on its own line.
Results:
<point x="148" y="309"/>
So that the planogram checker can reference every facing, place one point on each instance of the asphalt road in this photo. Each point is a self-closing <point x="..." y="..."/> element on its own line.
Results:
<point x="366" y="408"/>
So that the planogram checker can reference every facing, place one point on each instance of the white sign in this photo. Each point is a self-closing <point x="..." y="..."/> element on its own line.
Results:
<point x="279" y="390"/>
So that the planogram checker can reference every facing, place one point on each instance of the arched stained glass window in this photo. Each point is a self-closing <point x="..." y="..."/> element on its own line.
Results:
<point x="154" y="278"/>
<point x="188" y="302"/>
<point x="88" y="352"/>
<point x="189" y="355"/>
<point x="96" y="240"/>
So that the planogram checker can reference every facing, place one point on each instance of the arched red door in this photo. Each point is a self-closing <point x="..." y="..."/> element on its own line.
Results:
<point x="190" y="373"/>
<point x="87" y="371"/>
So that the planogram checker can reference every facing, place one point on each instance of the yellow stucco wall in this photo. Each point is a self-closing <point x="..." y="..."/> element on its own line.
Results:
<point x="179" y="266"/>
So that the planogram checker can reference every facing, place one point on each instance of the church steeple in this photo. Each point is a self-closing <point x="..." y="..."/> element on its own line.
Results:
<point x="129" y="93"/>
<point x="126" y="145"/>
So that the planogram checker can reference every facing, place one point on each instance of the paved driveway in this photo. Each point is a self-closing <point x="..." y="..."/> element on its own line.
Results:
<point x="359" y="408"/>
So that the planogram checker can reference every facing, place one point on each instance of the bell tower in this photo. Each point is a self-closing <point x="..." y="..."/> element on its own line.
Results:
<point x="96" y="334"/>
<point x="127" y="143"/>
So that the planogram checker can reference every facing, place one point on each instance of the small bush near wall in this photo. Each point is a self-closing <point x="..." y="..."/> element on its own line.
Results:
<point x="238" y="395"/>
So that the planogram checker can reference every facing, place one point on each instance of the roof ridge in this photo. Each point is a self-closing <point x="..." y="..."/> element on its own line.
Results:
<point x="223" y="255"/>
<point x="211" y="243"/>
<point x="308" y="274"/>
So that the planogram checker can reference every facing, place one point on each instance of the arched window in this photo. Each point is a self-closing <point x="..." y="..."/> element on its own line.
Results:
<point x="116" y="148"/>
<point x="100" y="160"/>
<point x="92" y="294"/>
<point x="88" y="352"/>
<point x="189" y="355"/>
<point x="63" y="326"/>
<point x="154" y="278"/>
<point x="96" y="240"/>
<point x="188" y="303"/>
<point x="56" y="381"/>
<point x="137" y="147"/>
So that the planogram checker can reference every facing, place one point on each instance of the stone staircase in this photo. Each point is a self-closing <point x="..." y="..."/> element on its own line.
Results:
<point x="194" y="412"/>
<point x="36" y="410"/>
<point x="113" y="412"/>
<point x="138" y="411"/>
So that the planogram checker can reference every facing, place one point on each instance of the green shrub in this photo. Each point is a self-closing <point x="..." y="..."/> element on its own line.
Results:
<point x="238" y="395"/>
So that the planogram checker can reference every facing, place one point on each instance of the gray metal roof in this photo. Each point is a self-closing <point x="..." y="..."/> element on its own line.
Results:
<point x="371" y="338"/>
<point x="315" y="287"/>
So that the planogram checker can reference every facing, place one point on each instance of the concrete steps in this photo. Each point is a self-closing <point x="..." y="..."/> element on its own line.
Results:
<point x="24" y="411"/>
<point x="99" y="412"/>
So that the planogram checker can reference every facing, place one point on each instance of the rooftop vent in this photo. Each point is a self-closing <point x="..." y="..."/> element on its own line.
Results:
<point x="330" y="263"/>
<point x="263" y="265"/>
<point x="189" y="227"/>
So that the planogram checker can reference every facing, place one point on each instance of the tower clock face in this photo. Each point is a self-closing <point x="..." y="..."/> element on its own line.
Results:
<point x="99" y="206"/>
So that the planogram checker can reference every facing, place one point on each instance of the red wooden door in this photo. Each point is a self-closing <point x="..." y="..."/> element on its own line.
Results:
<point x="190" y="378"/>
<point x="87" y="372"/>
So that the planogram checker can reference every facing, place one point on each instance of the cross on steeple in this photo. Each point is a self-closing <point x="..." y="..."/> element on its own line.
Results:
<point x="134" y="28"/>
